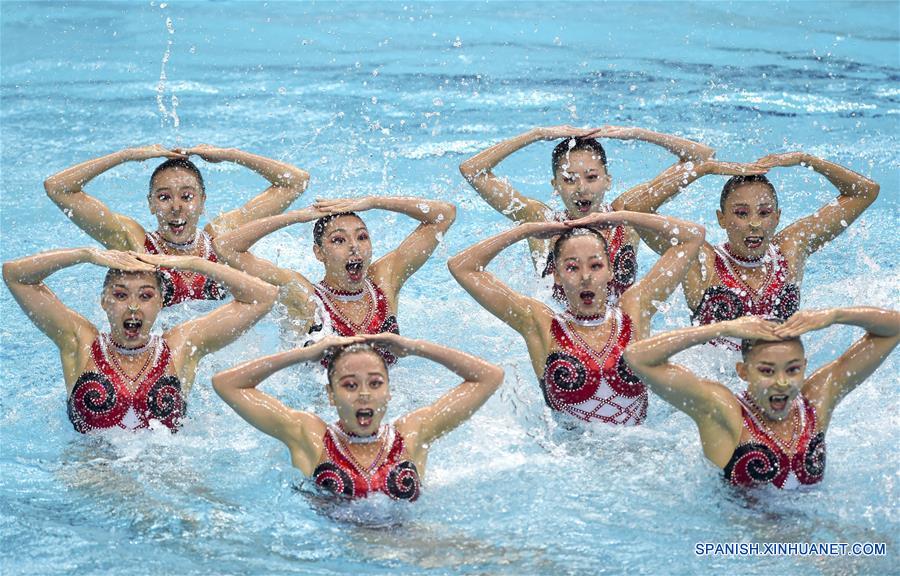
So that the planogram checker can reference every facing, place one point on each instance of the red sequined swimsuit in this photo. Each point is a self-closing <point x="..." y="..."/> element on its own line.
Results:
<point x="341" y="474"/>
<point x="621" y="257"/>
<point x="378" y="319"/>
<point x="762" y="459"/>
<point x="592" y="385"/>
<point x="731" y="298"/>
<point x="102" y="399"/>
<point x="179" y="285"/>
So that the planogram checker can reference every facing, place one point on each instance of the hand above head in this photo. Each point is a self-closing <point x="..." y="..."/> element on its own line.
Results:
<point x="118" y="260"/>
<point x="617" y="132"/>
<point x="164" y="260"/>
<point x="340" y="205"/>
<point x="804" y="321"/>
<point x="732" y="168"/>
<point x="595" y="220"/>
<point x="547" y="230"/>
<point x="399" y="346"/>
<point x="752" y="328"/>
<point x="141" y="153"/>
<point x="783" y="160"/>
<point x="318" y="349"/>
<point x="564" y="131"/>
<point x="209" y="153"/>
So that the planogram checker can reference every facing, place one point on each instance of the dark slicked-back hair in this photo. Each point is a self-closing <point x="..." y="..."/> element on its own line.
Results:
<point x="113" y="274"/>
<point x="572" y="233"/>
<point x="736" y="182"/>
<point x="182" y="163"/>
<point x="321" y="223"/>
<point x="352" y="349"/>
<point x="573" y="145"/>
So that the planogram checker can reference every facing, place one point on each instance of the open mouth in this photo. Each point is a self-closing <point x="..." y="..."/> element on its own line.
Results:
<point x="778" y="402"/>
<point x="132" y="328"/>
<point x="753" y="242"/>
<point x="587" y="297"/>
<point x="354" y="270"/>
<point x="177" y="226"/>
<point x="583" y="206"/>
<point x="364" y="417"/>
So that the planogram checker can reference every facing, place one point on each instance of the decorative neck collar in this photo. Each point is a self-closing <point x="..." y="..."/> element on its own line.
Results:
<point x="351" y="438"/>
<point x="595" y="320"/>
<point x="343" y="295"/>
<point x="183" y="247"/>
<point x="744" y="263"/>
<point x="125" y="351"/>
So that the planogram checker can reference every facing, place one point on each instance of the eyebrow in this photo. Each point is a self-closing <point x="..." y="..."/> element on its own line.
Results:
<point x="140" y="288"/>
<point x="344" y="230"/>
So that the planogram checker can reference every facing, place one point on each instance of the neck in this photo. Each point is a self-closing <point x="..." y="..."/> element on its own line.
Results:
<point x="343" y="286"/>
<point x="132" y="348"/>
<point x="745" y="260"/>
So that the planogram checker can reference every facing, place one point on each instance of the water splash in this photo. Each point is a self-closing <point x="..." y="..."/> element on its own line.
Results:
<point x="167" y="113"/>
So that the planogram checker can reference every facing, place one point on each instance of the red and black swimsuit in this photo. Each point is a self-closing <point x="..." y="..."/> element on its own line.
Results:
<point x="341" y="474"/>
<point x="762" y="459"/>
<point x="731" y="298"/>
<point x="102" y="399"/>
<point x="591" y="385"/>
<point x="378" y="319"/>
<point x="622" y="259"/>
<point x="178" y="285"/>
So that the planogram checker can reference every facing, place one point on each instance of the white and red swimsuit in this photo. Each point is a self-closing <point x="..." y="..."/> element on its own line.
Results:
<point x="594" y="385"/>
<point x="178" y="285"/>
<point x="101" y="399"/>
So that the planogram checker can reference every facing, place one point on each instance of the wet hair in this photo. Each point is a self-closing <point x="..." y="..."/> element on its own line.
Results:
<point x="321" y="223"/>
<point x="352" y="349"/>
<point x="572" y="233"/>
<point x="736" y="182"/>
<point x="182" y="163"/>
<point x="748" y="344"/>
<point x="568" y="145"/>
<point x="112" y="274"/>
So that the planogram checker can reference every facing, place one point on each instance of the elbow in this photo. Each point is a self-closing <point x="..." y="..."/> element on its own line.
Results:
<point x="9" y="275"/>
<point x="297" y="181"/>
<point x="269" y="296"/>
<point x="455" y="265"/>
<point x="53" y="188"/>
<point x="468" y="170"/>
<point x="632" y="359"/>
<point x="495" y="376"/>
<point x="446" y="215"/>
<point x="705" y="153"/>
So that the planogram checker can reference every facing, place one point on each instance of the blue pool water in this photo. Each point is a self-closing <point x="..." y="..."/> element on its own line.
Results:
<point x="388" y="99"/>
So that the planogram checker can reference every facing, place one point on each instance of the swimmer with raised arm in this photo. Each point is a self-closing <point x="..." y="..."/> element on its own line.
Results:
<point x="355" y="296"/>
<point x="581" y="178"/>
<point x="360" y="455"/>
<point x="127" y="377"/>
<point x="774" y="432"/>
<point x="757" y="271"/>
<point x="577" y="355"/>
<point x="176" y="197"/>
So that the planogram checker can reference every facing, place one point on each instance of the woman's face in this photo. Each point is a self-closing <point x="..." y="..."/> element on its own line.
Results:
<point x="346" y="252"/>
<point x="131" y="302"/>
<point x="176" y="199"/>
<point x="581" y="181"/>
<point x="750" y="219"/>
<point x="359" y="391"/>
<point x="775" y="373"/>
<point x="583" y="272"/>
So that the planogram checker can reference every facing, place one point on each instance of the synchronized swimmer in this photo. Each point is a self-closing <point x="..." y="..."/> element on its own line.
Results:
<point x="595" y="361"/>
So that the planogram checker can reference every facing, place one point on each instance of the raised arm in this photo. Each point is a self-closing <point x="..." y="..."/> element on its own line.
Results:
<point x="233" y="248"/>
<point x="498" y="192"/>
<point x="683" y="240"/>
<point x="300" y="431"/>
<point x="856" y="193"/>
<point x="480" y="380"/>
<point x="832" y="382"/>
<point x="394" y="268"/>
<point x="710" y="404"/>
<point x="650" y="196"/>
<point x="253" y="298"/>
<point x="686" y="150"/>
<point x="469" y="267"/>
<point x="114" y="231"/>
<point x="67" y="329"/>
<point x="287" y="183"/>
